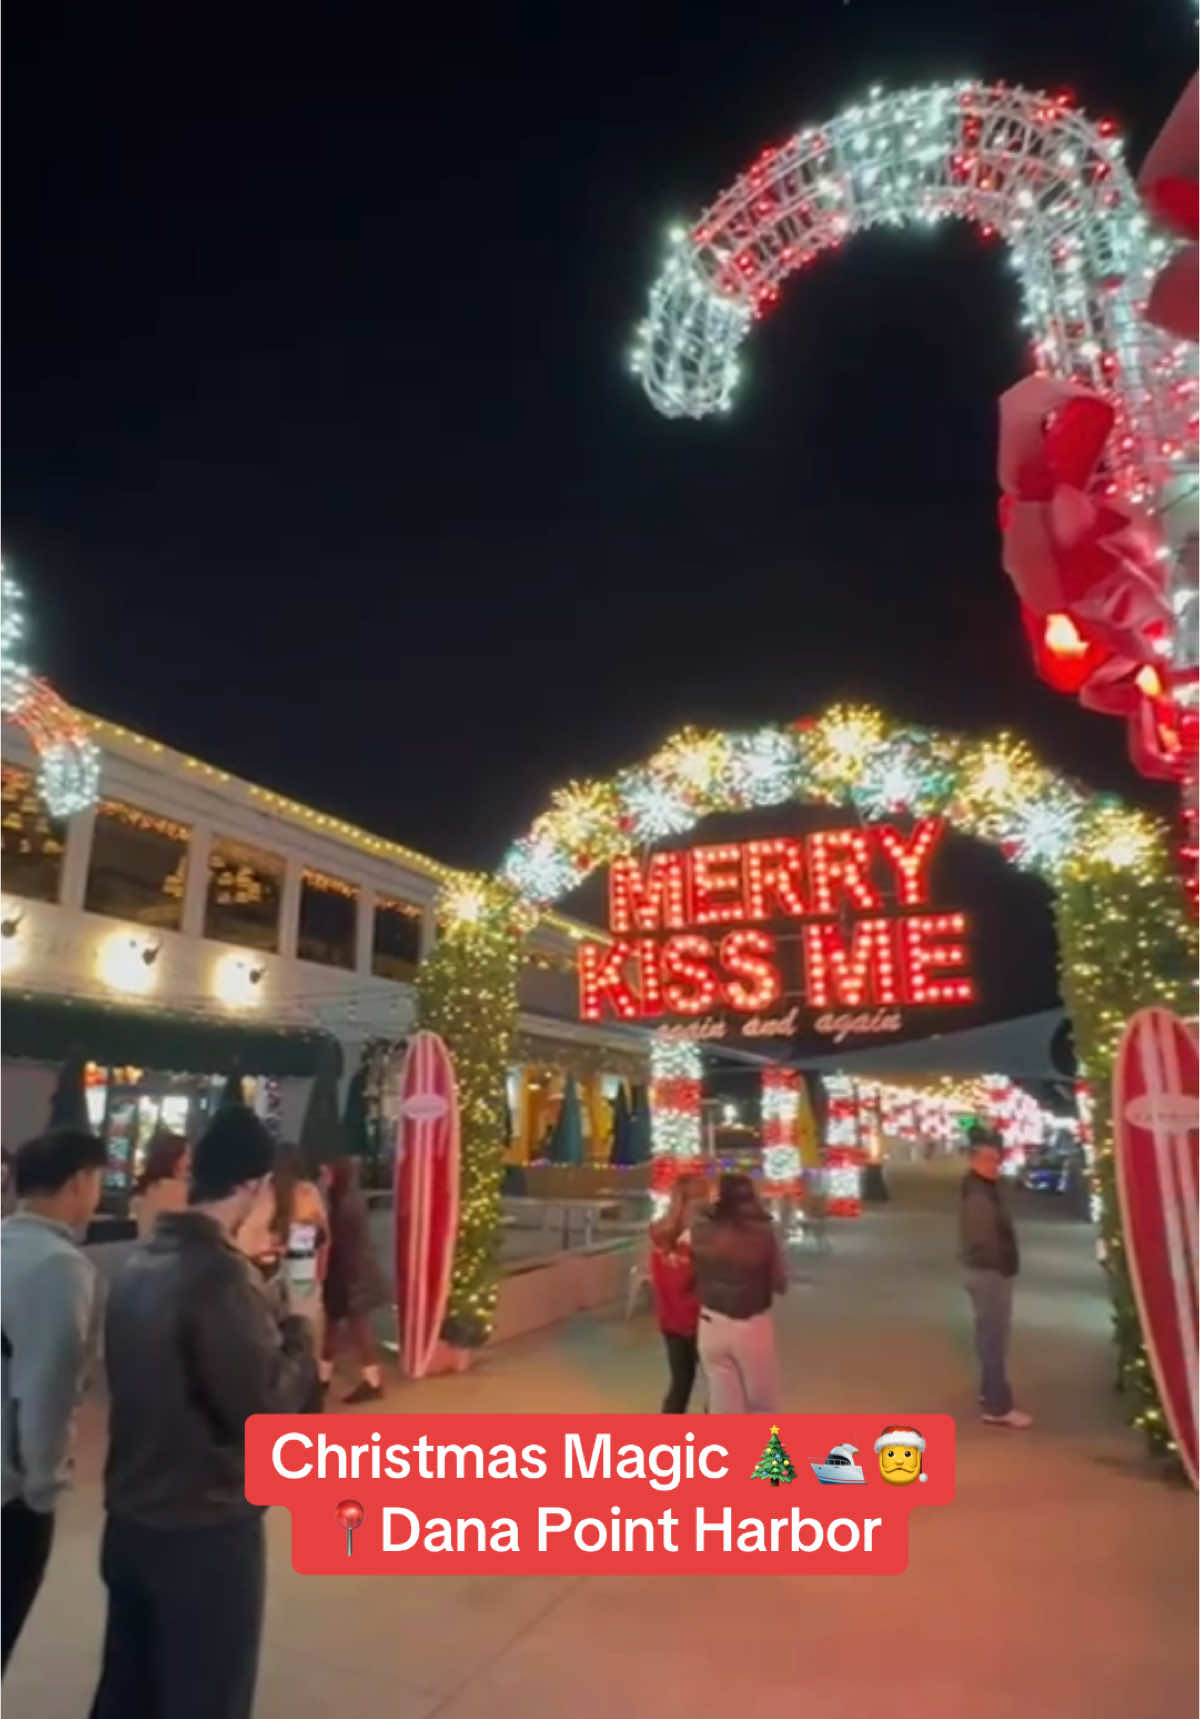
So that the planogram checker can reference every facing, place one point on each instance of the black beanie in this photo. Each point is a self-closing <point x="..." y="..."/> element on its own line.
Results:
<point x="235" y="1148"/>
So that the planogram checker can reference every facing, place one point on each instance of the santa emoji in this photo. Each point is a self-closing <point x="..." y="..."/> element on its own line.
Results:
<point x="901" y="1453"/>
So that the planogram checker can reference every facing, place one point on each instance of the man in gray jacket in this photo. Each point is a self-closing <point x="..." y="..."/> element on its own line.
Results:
<point x="48" y="1290"/>
<point x="991" y="1263"/>
<point x="192" y="1348"/>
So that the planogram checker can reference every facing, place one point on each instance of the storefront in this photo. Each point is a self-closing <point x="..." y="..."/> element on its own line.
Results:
<point x="144" y="1071"/>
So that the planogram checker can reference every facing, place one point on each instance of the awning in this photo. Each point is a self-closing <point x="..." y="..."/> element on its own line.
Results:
<point x="1033" y="1047"/>
<point x="50" y="1029"/>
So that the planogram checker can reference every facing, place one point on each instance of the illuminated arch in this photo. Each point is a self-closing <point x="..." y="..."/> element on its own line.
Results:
<point x="1124" y="936"/>
<point x="993" y="789"/>
<point x="1026" y="166"/>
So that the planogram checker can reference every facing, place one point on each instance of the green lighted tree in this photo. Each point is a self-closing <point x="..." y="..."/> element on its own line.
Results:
<point x="774" y="1464"/>
<point x="467" y="991"/>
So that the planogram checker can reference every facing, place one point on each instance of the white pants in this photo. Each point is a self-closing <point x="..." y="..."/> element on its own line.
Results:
<point x="738" y="1357"/>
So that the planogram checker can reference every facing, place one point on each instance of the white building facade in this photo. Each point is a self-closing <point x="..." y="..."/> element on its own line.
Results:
<point x="192" y="925"/>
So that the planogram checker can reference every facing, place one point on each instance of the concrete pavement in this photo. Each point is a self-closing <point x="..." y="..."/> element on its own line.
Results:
<point x="1062" y="1581"/>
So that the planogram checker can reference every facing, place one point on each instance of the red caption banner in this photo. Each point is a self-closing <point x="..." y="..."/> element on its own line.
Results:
<point x="567" y="1494"/>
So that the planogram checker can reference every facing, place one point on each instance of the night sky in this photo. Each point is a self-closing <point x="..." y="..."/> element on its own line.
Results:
<point x="323" y="462"/>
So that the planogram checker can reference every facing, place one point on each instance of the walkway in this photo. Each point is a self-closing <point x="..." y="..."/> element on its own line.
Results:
<point x="1061" y="1582"/>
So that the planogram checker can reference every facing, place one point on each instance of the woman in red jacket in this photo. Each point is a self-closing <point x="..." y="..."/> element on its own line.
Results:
<point x="674" y="1285"/>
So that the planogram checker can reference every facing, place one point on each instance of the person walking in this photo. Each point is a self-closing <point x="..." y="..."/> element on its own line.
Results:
<point x="673" y="1280"/>
<point x="740" y="1270"/>
<point x="354" y="1284"/>
<point x="48" y="1294"/>
<point x="990" y="1259"/>
<point x="192" y="1350"/>
<point x="163" y="1183"/>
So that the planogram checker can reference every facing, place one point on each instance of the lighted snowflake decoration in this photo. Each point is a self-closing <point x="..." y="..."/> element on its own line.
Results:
<point x="902" y="775"/>
<point x="69" y="777"/>
<point x="539" y="870"/>
<point x="838" y="747"/>
<point x="654" y="809"/>
<point x="579" y="814"/>
<point x="464" y="903"/>
<point x="763" y="768"/>
<point x="694" y="760"/>
<point x="1120" y="838"/>
<point x="1043" y="832"/>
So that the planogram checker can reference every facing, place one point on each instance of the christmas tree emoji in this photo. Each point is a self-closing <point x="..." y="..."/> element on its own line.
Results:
<point x="774" y="1464"/>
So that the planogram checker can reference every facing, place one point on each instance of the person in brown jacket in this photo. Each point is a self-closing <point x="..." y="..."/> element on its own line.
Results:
<point x="740" y="1269"/>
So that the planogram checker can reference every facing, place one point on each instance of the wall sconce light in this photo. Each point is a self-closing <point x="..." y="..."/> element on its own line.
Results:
<point x="128" y="963"/>
<point x="236" y="981"/>
<point x="12" y="946"/>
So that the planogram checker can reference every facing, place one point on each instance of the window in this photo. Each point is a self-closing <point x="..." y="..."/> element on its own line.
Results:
<point x="138" y="866"/>
<point x="244" y="888"/>
<point x="396" y="939"/>
<point x="328" y="920"/>
<point x="32" y="840"/>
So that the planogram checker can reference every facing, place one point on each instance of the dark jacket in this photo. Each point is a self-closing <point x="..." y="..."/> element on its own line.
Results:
<point x="738" y="1263"/>
<point x="354" y="1283"/>
<point x="988" y="1240"/>
<point x="192" y="1349"/>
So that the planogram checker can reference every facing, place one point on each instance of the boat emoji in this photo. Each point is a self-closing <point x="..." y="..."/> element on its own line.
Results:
<point x="839" y="1467"/>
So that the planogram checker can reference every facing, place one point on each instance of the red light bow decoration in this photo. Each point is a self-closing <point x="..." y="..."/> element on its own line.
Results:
<point x="1068" y="547"/>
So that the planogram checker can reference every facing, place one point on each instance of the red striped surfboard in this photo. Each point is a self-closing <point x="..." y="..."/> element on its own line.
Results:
<point x="1156" y="1139"/>
<point x="426" y="1198"/>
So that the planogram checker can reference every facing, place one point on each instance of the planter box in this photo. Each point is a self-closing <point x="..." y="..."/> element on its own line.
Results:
<point x="583" y="1181"/>
<point x="543" y="1292"/>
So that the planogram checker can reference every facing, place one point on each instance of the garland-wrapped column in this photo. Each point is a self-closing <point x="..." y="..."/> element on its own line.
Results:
<point x="1125" y="941"/>
<point x="675" y="1075"/>
<point x="843" y="1153"/>
<point x="780" y="1112"/>
<point x="467" y="992"/>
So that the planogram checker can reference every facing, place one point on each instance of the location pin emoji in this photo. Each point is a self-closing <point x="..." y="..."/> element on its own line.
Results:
<point x="350" y="1514"/>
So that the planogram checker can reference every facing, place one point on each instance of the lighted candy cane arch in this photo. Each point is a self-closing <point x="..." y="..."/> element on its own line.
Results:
<point x="1020" y="164"/>
<point x="68" y="762"/>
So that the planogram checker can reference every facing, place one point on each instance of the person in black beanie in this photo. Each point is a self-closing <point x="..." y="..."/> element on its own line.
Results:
<point x="192" y="1349"/>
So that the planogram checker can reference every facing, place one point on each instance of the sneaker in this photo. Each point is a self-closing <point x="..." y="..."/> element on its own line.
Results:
<point x="1016" y="1418"/>
<point x="364" y="1392"/>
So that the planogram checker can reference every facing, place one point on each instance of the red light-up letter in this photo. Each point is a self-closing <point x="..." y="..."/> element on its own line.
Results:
<point x="849" y="979"/>
<point x="911" y="856"/>
<point x="921" y="956"/>
<point x="774" y="871"/>
<point x="750" y="955"/>
<point x="709" y="881"/>
<point x="656" y="901"/>
<point x="602" y="979"/>
<point x="841" y="859"/>
<point x="687" y="959"/>
<point x="652" y="1003"/>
